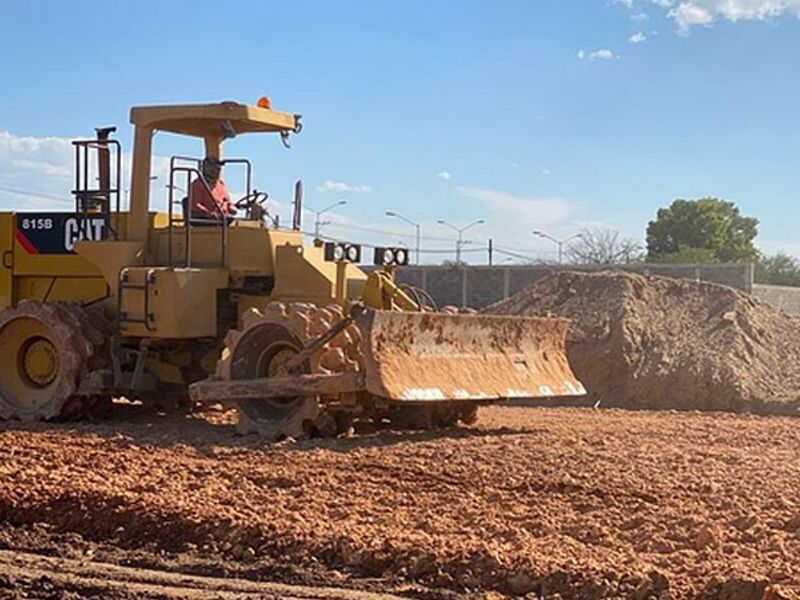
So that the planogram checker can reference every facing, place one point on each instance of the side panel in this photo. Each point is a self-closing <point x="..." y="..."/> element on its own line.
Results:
<point x="170" y="303"/>
<point x="6" y="259"/>
<point x="60" y="289"/>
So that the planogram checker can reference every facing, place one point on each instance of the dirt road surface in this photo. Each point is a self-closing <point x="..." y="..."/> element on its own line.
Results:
<point x="580" y="503"/>
<point x="34" y="575"/>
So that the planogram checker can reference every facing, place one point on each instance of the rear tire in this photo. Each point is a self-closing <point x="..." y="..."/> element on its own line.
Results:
<point x="48" y="349"/>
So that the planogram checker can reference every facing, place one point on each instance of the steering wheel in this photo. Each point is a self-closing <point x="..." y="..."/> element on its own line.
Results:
<point x="254" y="197"/>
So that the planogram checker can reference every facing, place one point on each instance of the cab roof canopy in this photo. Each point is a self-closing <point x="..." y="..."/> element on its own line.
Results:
<point x="210" y="120"/>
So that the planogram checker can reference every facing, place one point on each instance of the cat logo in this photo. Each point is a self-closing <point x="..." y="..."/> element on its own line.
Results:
<point x="92" y="229"/>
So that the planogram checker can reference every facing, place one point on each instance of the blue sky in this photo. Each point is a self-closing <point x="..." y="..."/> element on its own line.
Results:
<point x="537" y="114"/>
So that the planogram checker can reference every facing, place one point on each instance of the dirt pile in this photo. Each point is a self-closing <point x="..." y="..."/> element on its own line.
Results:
<point x="581" y="503"/>
<point x="655" y="342"/>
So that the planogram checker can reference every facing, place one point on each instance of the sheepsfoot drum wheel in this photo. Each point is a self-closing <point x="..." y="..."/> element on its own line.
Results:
<point x="48" y="351"/>
<point x="267" y="341"/>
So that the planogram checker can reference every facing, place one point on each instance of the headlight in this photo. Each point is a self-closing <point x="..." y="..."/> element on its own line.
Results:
<point x="391" y="257"/>
<point x="342" y="252"/>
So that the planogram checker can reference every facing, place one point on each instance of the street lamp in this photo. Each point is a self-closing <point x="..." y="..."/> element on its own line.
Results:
<point x="460" y="230"/>
<point x="390" y="213"/>
<point x="560" y="243"/>
<point x="318" y="224"/>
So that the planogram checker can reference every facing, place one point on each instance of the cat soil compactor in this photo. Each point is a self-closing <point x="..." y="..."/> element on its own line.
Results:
<point x="113" y="300"/>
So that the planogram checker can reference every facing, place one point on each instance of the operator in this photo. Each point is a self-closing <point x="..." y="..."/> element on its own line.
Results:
<point x="215" y="205"/>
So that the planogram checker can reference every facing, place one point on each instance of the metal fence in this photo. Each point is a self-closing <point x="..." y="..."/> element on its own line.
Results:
<point x="479" y="286"/>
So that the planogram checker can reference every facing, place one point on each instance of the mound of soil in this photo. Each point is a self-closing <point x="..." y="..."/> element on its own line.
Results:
<point x="656" y="342"/>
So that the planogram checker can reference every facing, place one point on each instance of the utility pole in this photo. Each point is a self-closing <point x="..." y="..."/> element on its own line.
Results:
<point x="460" y="231"/>
<point x="491" y="251"/>
<point x="390" y="213"/>
<point x="318" y="222"/>
<point x="560" y="243"/>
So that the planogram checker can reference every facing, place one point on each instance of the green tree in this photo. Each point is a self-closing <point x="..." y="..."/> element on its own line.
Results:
<point x="708" y="224"/>
<point x="687" y="255"/>
<point x="778" y="269"/>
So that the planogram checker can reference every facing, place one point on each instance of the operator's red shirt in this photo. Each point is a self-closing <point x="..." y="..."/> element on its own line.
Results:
<point x="204" y="205"/>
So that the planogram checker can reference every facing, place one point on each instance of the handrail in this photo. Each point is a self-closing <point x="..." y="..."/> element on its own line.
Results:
<point x="188" y="221"/>
<point x="83" y="193"/>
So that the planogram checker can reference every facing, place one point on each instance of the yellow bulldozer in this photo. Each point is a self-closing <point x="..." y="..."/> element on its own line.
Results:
<point x="114" y="300"/>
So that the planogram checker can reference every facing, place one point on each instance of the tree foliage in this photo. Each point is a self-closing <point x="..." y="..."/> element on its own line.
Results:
<point x="687" y="255"/>
<point x="708" y="224"/>
<point x="778" y="269"/>
<point x="604" y="247"/>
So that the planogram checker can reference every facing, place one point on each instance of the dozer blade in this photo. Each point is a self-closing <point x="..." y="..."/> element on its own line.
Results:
<point x="419" y="357"/>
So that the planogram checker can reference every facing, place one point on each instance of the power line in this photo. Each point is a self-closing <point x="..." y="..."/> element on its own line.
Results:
<point x="29" y="193"/>
<point x="390" y="233"/>
<point x="514" y="255"/>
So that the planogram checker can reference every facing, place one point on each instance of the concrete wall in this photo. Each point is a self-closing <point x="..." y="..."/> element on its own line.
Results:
<point x="780" y="296"/>
<point x="479" y="286"/>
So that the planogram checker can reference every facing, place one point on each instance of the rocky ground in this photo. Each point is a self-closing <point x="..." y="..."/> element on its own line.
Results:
<point x="576" y="503"/>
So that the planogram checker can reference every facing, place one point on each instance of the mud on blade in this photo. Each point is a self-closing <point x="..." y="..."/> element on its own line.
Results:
<point x="419" y="357"/>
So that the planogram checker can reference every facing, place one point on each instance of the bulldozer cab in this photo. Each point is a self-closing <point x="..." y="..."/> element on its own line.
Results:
<point x="213" y="123"/>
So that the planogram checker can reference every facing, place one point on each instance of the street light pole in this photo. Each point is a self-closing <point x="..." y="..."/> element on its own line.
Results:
<point x="460" y="231"/>
<point x="318" y="223"/>
<point x="560" y="243"/>
<point x="390" y="213"/>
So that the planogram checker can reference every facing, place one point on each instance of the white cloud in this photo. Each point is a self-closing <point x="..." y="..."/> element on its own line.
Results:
<point x="50" y="156"/>
<point x="519" y="209"/>
<point x="704" y="13"/>
<point x="446" y="175"/>
<point x="545" y="171"/>
<point x="511" y="218"/>
<point x="688" y="15"/>
<point x="35" y="172"/>
<point x="339" y="186"/>
<point x="601" y="54"/>
<point x="637" y="38"/>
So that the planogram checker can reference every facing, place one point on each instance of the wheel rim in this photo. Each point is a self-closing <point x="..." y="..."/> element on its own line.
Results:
<point x="40" y="363"/>
<point x="262" y="353"/>
<point x="273" y="358"/>
<point x="29" y="378"/>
